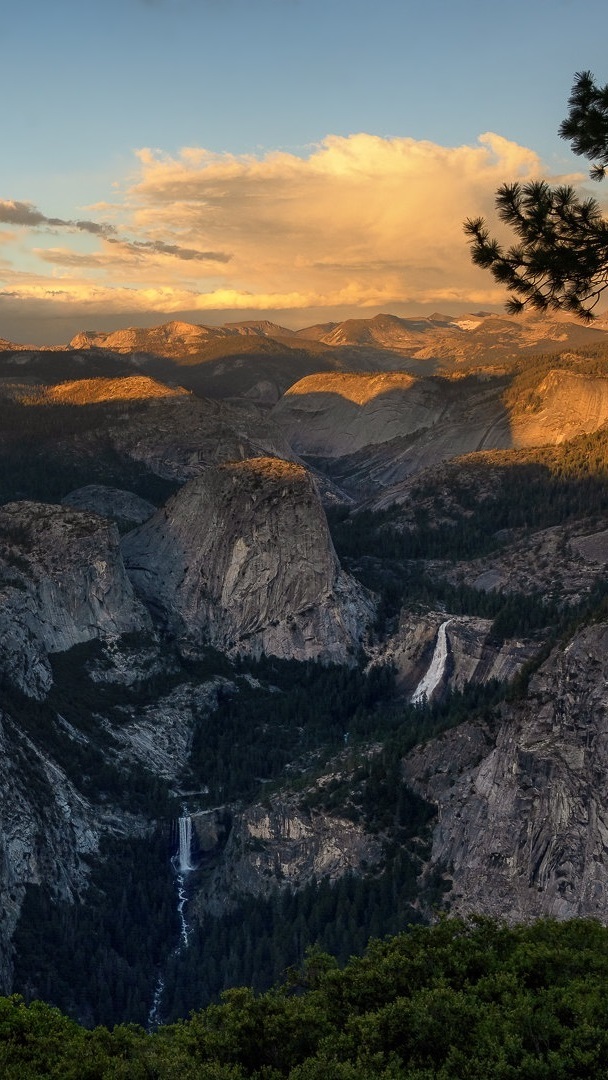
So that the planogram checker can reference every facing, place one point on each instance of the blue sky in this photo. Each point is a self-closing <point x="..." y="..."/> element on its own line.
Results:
<point x="85" y="86"/>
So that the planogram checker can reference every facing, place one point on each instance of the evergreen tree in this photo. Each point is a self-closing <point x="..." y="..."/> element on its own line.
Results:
<point x="560" y="259"/>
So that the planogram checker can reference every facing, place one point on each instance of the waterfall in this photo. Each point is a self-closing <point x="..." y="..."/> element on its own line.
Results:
<point x="185" y="844"/>
<point x="154" y="1016"/>
<point x="182" y="865"/>
<point x="429" y="682"/>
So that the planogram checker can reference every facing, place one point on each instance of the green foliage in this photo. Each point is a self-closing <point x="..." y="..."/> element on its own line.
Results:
<point x="560" y="258"/>
<point x="47" y="451"/>
<point x="290" y="711"/>
<point x="493" y="498"/>
<point x="586" y="126"/>
<point x="98" y="958"/>
<point x="84" y="752"/>
<point x="260" y="938"/>
<point x="458" y="1001"/>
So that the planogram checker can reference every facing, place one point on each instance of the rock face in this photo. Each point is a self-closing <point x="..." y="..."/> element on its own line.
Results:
<point x="334" y="415"/>
<point x="277" y="845"/>
<point x="179" y="437"/>
<point x="46" y="826"/>
<point x="370" y="430"/>
<point x="159" y="735"/>
<point x="62" y="583"/>
<point x="241" y="559"/>
<point x="523" y="808"/>
<point x="567" y="404"/>
<point x="472" y="655"/>
<point x="114" y="503"/>
<point x="563" y="562"/>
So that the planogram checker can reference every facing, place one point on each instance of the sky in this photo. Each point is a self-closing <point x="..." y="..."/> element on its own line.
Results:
<point x="298" y="160"/>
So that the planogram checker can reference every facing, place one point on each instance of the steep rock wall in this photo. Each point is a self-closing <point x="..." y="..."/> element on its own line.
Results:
<point x="277" y="844"/>
<point x="472" y="654"/>
<point x="523" y="806"/>
<point x="241" y="559"/>
<point x="62" y="583"/>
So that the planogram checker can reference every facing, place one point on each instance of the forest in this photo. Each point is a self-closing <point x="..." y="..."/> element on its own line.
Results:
<point x="277" y="727"/>
<point x="456" y="1001"/>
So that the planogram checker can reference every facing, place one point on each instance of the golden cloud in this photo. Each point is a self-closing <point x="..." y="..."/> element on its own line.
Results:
<point x="362" y="221"/>
<point x="377" y="219"/>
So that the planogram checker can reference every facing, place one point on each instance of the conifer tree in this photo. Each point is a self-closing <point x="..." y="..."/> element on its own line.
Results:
<point x="560" y="258"/>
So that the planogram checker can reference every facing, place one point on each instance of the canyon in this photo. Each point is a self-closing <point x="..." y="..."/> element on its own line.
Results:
<point x="335" y="599"/>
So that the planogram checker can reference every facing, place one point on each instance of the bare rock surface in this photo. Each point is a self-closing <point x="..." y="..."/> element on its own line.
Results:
<point x="562" y="563"/>
<point x="338" y="415"/>
<point x="179" y="437"/>
<point x="159" y="735"/>
<point x="567" y="403"/>
<point x="48" y="831"/>
<point x="114" y="503"/>
<point x="472" y="654"/>
<point x="277" y="845"/>
<point x="523" y="807"/>
<point x="372" y="431"/>
<point x="43" y="832"/>
<point x="63" y="582"/>
<point x="241" y="559"/>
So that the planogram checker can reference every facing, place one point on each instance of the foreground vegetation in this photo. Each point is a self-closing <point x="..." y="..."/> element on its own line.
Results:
<point x="458" y="1000"/>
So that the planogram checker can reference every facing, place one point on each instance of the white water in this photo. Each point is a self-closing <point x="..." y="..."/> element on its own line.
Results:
<point x="154" y="1016"/>
<point x="182" y="900"/>
<point x="182" y="865"/>
<point x="185" y="844"/>
<point x="436" y="668"/>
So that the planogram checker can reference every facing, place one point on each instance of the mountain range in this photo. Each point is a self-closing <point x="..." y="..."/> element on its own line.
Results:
<point x="330" y="603"/>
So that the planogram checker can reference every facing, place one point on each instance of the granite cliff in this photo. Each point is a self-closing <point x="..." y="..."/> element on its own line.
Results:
<point x="523" y="827"/>
<point x="241" y="559"/>
<point x="63" y="583"/>
<point x="371" y="431"/>
<point x="165" y="676"/>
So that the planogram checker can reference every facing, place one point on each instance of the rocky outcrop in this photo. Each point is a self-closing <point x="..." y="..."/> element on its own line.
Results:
<point x="48" y="830"/>
<point x="370" y="430"/>
<point x="178" y="438"/>
<point x="565" y="404"/>
<point x="159" y="735"/>
<point x="523" y="806"/>
<point x="563" y="563"/>
<point x="472" y="654"/>
<point x="337" y="415"/>
<point x="241" y="559"/>
<point x="62" y="583"/>
<point x="123" y="507"/>
<point x="276" y="844"/>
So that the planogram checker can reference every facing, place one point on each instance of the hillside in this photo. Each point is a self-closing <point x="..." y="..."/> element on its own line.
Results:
<point x="464" y="1000"/>
<point x="250" y="724"/>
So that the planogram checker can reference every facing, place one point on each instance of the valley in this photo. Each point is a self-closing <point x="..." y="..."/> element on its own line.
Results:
<point x="337" y="599"/>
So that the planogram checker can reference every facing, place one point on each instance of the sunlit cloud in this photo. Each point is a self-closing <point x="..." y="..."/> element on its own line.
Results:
<point x="378" y="220"/>
<point x="361" y="222"/>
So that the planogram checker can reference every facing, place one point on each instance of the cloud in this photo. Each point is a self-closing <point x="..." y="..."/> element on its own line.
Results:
<point x="375" y="219"/>
<point x="159" y="247"/>
<point x="126" y="255"/>
<point x="360" y="222"/>
<point x="26" y="214"/>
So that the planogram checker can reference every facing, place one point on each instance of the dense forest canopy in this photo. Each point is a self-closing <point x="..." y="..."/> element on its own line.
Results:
<point x="457" y="1000"/>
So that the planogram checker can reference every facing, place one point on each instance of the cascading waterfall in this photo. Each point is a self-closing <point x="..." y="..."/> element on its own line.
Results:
<point x="182" y="862"/>
<point x="185" y="844"/>
<point x="436" y="668"/>
<point x="154" y="1016"/>
<point x="184" y="866"/>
